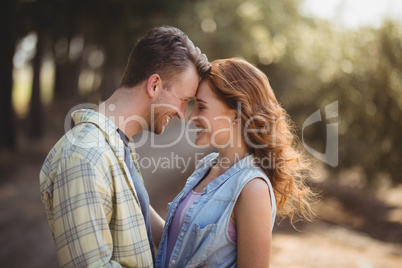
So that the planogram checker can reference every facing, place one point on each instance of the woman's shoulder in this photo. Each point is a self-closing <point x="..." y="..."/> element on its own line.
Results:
<point x="256" y="187"/>
<point x="251" y="171"/>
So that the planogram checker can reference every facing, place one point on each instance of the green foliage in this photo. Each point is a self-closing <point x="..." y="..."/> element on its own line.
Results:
<point x="362" y="69"/>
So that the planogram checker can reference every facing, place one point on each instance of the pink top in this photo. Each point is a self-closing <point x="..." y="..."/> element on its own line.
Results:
<point x="178" y="219"/>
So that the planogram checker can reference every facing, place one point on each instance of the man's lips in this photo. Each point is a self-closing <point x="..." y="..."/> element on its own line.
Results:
<point x="167" y="119"/>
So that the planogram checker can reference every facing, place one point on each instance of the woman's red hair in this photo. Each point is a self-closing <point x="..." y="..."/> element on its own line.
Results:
<point x="235" y="81"/>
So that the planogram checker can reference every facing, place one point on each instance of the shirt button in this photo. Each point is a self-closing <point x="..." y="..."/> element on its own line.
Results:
<point x="173" y="262"/>
<point x="181" y="234"/>
<point x="191" y="206"/>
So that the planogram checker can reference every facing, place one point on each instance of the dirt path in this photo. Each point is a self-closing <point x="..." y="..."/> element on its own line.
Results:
<point x="331" y="246"/>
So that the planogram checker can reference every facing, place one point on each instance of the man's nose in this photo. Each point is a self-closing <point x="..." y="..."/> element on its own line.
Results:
<point x="191" y="115"/>
<point x="181" y="115"/>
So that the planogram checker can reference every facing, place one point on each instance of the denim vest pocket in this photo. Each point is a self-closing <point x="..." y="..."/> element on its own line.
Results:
<point x="203" y="238"/>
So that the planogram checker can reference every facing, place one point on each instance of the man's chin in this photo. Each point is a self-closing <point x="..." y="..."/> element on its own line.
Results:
<point x="159" y="130"/>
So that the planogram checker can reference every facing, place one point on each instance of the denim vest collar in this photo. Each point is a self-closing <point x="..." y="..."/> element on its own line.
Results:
<point x="204" y="167"/>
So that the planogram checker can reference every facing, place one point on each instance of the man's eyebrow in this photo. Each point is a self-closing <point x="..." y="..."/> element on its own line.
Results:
<point x="187" y="98"/>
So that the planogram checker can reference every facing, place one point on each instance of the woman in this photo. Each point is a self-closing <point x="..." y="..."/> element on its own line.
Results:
<point x="225" y="214"/>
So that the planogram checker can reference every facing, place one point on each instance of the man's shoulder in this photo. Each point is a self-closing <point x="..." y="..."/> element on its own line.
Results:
<point x="85" y="141"/>
<point x="83" y="149"/>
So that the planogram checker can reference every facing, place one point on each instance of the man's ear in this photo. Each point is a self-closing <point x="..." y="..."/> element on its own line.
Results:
<point x="154" y="85"/>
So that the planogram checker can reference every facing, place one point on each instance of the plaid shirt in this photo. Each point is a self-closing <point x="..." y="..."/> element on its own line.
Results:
<point x="90" y="201"/>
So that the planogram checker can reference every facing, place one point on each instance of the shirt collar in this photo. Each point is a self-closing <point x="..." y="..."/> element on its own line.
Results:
<point x="107" y="126"/>
<point x="245" y="162"/>
<point x="91" y="116"/>
<point x="123" y="136"/>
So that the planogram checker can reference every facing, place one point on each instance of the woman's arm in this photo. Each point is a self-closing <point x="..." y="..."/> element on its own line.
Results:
<point x="253" y="220"/>
<point x="157" y="225"/>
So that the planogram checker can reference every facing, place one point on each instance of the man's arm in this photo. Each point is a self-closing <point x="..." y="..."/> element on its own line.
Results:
<point x="81" y="203"/>
<point x="157" y="225"/>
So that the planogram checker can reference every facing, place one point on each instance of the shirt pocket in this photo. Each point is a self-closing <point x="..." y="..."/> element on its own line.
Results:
<point x="200" y="244"/>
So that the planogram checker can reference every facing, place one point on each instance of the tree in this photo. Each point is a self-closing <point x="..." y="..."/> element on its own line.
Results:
<point x="7" y="47"/>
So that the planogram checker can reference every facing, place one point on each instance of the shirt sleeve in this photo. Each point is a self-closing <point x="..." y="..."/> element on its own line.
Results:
<point x="82" y="206"/>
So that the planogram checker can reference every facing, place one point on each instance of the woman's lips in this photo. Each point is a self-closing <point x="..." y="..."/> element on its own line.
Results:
<point x="200" y="129"/>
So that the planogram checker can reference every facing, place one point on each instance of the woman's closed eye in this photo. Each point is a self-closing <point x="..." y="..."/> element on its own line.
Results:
<point x="200" y="107"/>
<point x="200" y="104"/>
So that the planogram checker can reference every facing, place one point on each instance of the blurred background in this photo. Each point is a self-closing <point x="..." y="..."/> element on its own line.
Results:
<point x="56" y="54"/>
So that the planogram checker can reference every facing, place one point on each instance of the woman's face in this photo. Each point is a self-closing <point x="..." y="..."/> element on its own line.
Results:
<point x="213" y="119"/>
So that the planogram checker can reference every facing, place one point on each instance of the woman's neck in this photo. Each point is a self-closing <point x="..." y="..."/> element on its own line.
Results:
<point x="229" y="156"/>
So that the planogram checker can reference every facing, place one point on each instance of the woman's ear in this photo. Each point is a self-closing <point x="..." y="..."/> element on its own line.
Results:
<point x="154" y="84"/>
<point x="235" y="117"/>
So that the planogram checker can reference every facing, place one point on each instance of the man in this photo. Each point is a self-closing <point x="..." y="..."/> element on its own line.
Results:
<point x="96" y="203"/>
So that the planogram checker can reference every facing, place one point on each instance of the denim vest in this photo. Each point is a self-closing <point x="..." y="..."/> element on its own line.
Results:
<point x="204" y="238"/>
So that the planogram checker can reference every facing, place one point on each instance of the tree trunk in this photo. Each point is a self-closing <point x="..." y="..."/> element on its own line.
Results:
<point x="112" y="70"/>
<point x="35" y="114"/>
<point x="62" y="73"/>
<point x="7" y="49"/>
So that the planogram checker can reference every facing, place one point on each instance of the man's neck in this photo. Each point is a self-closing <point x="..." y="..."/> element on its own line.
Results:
<point x="126" y="108"/>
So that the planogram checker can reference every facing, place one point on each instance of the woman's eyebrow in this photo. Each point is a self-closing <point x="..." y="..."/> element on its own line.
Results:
<point x="200" y="100"/>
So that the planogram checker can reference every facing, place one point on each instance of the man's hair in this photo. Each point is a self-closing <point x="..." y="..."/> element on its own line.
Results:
<point x="166" y="51"/>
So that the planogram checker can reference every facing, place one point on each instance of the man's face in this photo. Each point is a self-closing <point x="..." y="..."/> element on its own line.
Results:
<point x="173" y="101"/>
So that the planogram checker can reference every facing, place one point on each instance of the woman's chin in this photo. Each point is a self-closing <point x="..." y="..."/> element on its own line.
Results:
<point x="201" y="144"/>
